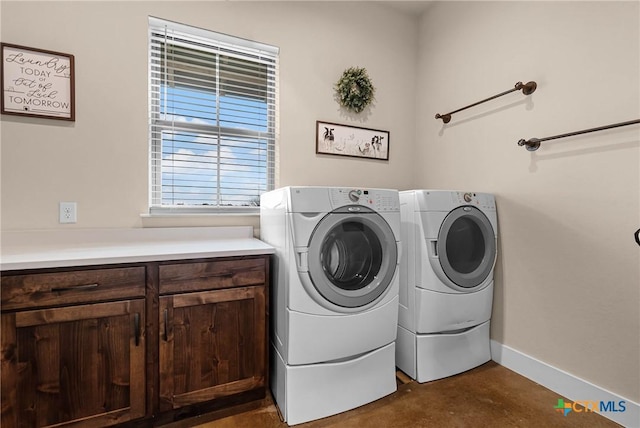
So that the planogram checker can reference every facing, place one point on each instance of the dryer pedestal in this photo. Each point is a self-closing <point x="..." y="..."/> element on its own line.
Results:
<point x="427" y="357"/>
<point x="313" y="391"/>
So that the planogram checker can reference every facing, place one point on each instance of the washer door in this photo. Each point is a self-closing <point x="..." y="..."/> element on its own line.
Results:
<point x="352" y="256"/>
<point x="466" y="247"/>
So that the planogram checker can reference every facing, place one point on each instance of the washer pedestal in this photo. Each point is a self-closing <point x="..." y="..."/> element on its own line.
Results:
<point x="427" y="357"/>
<point x="313" y="391"/>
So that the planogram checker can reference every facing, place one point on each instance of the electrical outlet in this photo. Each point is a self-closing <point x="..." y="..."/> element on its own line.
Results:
<point x="68" y="212"/>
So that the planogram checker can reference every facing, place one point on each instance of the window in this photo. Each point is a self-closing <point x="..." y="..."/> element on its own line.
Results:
<point x="212" y="118"/>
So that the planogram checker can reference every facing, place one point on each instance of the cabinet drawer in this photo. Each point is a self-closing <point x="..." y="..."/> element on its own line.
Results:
<point x="211" y="275"/>
<point x="61" y="288"/>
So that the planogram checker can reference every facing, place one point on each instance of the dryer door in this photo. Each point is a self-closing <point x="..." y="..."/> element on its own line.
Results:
<point x="352" y="256"/>
<point x="466" y="247"/>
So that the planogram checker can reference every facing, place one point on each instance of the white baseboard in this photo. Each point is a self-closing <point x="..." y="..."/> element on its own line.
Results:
<point x="569" y="386"/>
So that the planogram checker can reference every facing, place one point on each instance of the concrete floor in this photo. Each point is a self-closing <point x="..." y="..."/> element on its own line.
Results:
<point x="488" y="396"/>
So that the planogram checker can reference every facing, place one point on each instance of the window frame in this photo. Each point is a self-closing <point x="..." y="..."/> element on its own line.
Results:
<point x="160" y="122"/>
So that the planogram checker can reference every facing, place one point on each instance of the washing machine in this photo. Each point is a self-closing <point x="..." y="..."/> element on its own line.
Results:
<point x="449" y="240"/>
<point x="334" y="297"/>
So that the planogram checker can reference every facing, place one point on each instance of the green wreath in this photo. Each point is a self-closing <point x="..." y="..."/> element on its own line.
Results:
<point x="354" y="89"/>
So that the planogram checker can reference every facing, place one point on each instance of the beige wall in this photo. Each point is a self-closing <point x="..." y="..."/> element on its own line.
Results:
<point x="100" y="161"/>
<point x="568" y="280"/>
<point x="567" y="289"/>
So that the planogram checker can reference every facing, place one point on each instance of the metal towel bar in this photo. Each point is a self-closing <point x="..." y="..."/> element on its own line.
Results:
<point x="532" y="144"/>
<point x="527" y="89"/>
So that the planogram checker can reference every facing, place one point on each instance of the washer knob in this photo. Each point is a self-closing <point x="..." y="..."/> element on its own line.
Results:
<point x="354" y="195"/>
<point x="467" y="197"/>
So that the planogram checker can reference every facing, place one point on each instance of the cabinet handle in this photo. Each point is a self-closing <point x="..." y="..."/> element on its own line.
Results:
<point x="136" y="322"/>
<point x="165" y="335"/>
<point x="75" y="287"/>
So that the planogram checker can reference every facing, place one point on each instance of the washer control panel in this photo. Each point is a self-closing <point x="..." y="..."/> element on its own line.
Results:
<point x="480" y="200"/>
<point x="376" y="199"/>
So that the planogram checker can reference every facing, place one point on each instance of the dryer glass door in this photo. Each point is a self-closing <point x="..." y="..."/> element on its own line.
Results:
<point x="466" y="247"/>
<point x="352" y="256"/>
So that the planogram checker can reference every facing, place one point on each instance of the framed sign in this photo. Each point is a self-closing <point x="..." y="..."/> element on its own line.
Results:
<point x="37" y="83"/>
<point x="354" y="141"/>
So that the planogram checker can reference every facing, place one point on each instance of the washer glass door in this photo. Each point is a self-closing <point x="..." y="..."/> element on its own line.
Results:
<point x="466" y="247"/>
<point x="352" y="256"/>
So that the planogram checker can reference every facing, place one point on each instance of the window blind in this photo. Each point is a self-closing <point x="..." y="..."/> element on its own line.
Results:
<point x="212" y="119"/>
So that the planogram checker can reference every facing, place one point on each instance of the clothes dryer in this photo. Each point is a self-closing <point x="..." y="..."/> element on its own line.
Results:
<point x="446" y="282"/>
<point x="334" y="300"/>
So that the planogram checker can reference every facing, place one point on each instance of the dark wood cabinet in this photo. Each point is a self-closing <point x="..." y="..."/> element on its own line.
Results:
<point x="212" y="330"/>
<point x="76" y="365"/>
<point x="105" y="345"/>
<point x="211" y="346"/>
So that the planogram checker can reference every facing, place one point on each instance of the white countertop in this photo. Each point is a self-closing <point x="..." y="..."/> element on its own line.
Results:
<point x="83" y="247"/>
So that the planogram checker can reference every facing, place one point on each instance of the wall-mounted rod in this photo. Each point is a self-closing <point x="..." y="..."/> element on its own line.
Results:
<point x="532" y="144"/>
<point x="527" y="89"/>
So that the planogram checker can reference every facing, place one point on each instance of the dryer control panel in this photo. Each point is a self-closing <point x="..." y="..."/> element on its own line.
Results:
<point x="481" y="200"/>
<point x="376" y="199"/>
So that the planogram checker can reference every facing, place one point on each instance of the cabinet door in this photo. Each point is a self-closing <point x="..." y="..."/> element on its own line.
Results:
<point x="212" y="344"/>
<point x="80" y="366"/>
